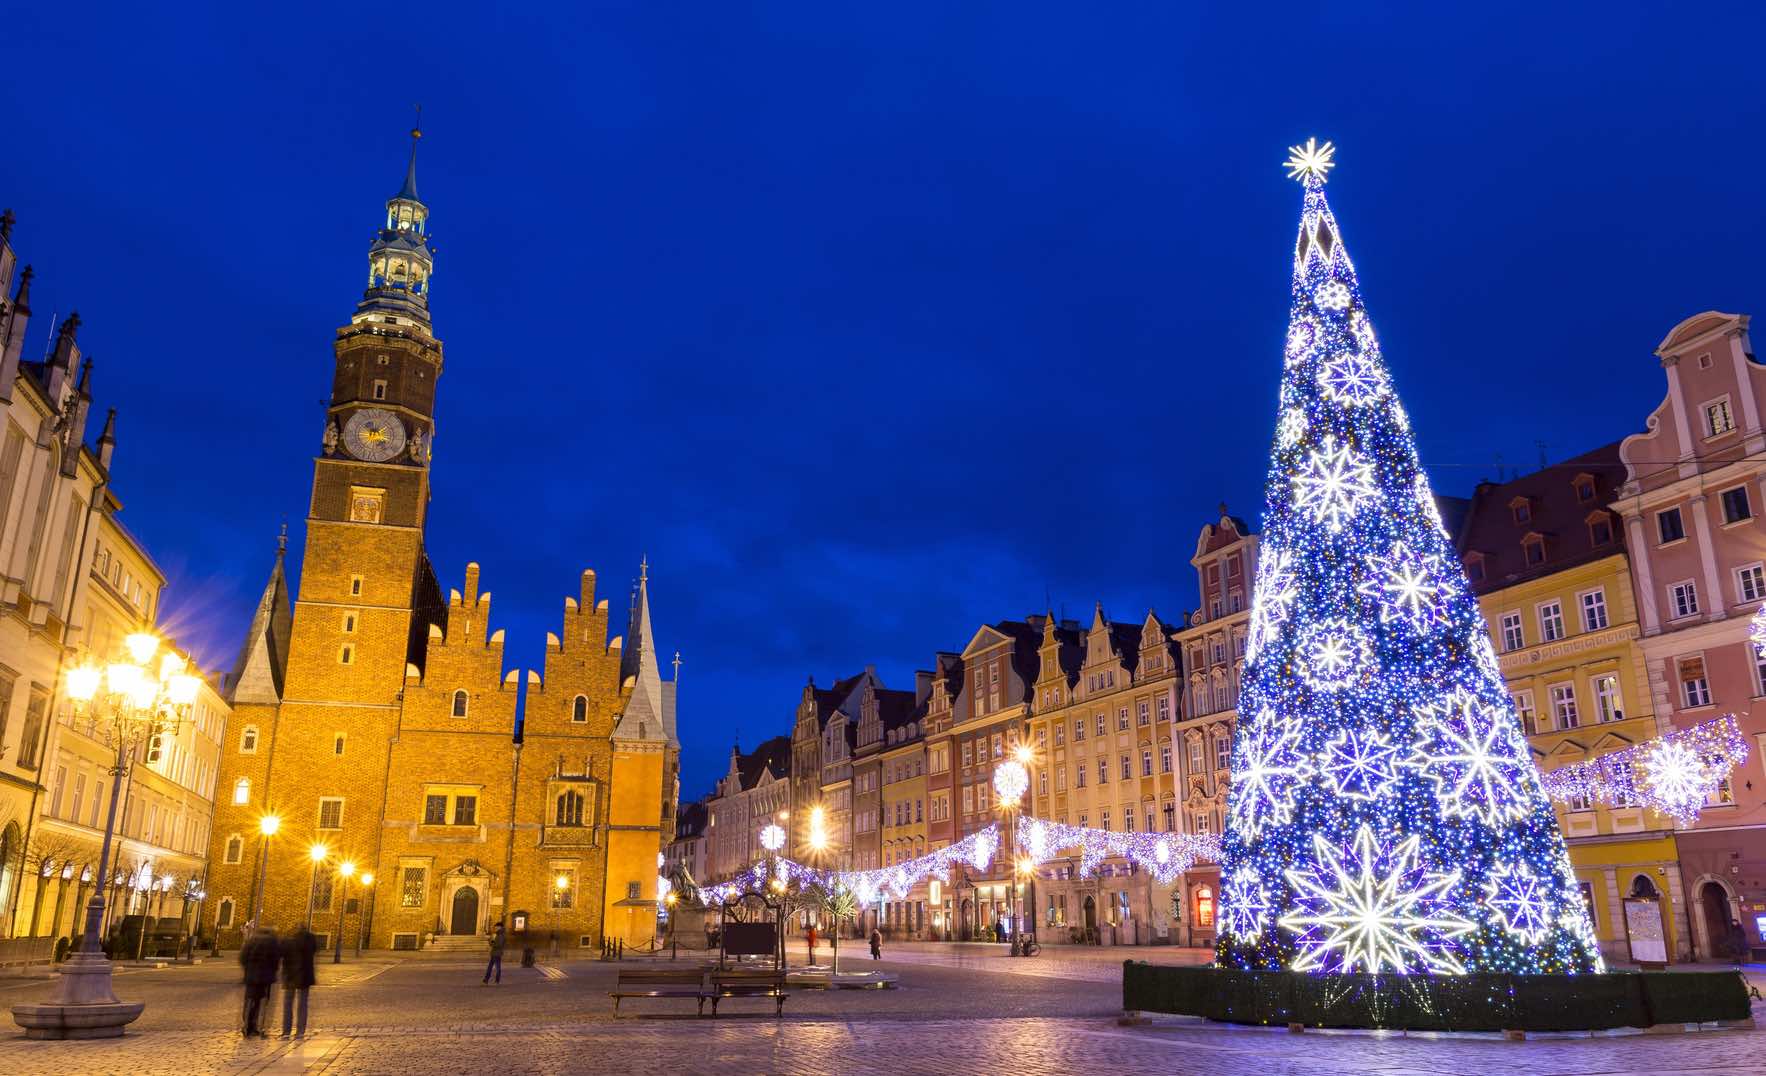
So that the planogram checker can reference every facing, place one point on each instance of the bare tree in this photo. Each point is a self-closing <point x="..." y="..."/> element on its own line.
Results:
<point x="49" y="853"/>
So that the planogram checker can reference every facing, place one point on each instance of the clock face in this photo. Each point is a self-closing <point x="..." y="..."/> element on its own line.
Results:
<point x="374" y="435"/>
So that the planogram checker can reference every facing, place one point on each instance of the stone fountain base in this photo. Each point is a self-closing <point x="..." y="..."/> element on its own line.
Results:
<point x="82" y="1007"/>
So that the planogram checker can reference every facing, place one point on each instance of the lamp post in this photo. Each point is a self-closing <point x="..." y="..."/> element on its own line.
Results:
<point x="267" y="827"/>
<point x="317" y="854"/>
<point x="367" y="910"/>
<point x="144" y="694"/>
<point x="1010" y="781"/>
<point x="348" y="870"/>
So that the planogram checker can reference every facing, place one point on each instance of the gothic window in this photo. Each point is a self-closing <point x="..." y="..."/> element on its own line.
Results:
<point x="579" y="709"/>
<point x="235" y="848"/>
<point x="411" y="887"/>
<point x="224" y="916"/>
<point x="322" y="892"/>
<point x="242" y="791"/>
<point x="570" y="808"/>
<point x="248" y="740"/>
<point x="460" y="703"/>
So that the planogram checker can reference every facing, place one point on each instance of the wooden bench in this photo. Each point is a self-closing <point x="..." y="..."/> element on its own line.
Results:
<point x="748" y="983"/>
<point x="641" y="982"/>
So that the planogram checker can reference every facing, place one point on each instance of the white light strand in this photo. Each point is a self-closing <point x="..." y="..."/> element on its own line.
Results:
<point x="1673" y="775"/>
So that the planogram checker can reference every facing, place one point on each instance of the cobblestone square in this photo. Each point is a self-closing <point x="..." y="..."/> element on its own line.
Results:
<point x="956" y="1009"/>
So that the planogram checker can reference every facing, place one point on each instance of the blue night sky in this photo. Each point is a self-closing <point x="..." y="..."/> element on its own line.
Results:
<point x="867" y="325"/>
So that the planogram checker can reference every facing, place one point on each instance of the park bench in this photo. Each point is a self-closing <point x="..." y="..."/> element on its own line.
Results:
<point x="748" y="983"/>
<point x="642" y="982"/>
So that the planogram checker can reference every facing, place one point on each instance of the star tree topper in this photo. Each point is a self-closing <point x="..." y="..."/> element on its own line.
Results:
<point x="1310" y="161"/>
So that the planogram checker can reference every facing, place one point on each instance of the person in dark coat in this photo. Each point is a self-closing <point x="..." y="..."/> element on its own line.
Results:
<point x="298" y="950"/>
<point x="810" y="936"/>
<point x="258" y="956"/>
<point x="876" y="944"/>
<point x="1738" y="941"/>
<point x="496" y="962"/>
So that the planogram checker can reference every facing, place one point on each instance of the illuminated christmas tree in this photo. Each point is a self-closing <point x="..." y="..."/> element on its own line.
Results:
<point x="1385" y="815"/>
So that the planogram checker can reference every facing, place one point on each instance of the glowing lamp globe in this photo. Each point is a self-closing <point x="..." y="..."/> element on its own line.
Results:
<point x="1010" y="781"/>
<point x="347" y="869"/>
<point x="141" y="646"/>
<point x="269" y="824"/>
<point x="182" y="689"/>
<point x="83" y="682"/>
<point x="318" y="853"/>
<point x="772" y="838"/>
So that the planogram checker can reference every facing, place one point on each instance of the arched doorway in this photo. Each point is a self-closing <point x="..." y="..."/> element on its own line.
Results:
<point x="465" y="914"/>
<point x="1091" y="914"/>
<point x="1714" y="901"/>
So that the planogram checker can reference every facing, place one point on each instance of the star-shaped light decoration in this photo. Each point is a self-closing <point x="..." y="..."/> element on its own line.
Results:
<point x="1675" y="778"/>
<point x="1360" y="765"/>
<point x="1350" y="379"/>
<point x="1243" y="904"/>
<point x="1301" y="336"/>
<point x="1333" y="654"/>
<point x="1474" y="753"/>
<point x="1407" y="585"/>
<point x="1272" y="597"/>
<point x="1519" y="902"/>
<point x="1311" y="161"/>
<point x="1373" y="910"/>
<point x="1291" y="428"/>
<point x="1334" y="482"/>
<point x="1265" y="772"/>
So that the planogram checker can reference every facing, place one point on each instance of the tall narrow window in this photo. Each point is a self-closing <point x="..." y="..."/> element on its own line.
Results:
<point x="460" y="703"/>
<point x="569" y="810"/>
<point x="1695" y="689"/>
<point x="330" y="812"/>
<point x="579" y="709"/>
<point x="1607" y="702"/>
<point x="242" y="791"/>
<point x="248" y="740"/>
<point x="1594" y="610"/>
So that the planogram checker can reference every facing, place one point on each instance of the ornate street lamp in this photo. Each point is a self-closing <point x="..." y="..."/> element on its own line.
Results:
<point x="128" y="702"/>
<point x="1011" y="779"/>
<point x="348" y="870"/>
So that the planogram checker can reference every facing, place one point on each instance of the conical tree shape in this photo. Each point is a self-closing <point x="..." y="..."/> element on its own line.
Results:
<point x="1385" y="815"/>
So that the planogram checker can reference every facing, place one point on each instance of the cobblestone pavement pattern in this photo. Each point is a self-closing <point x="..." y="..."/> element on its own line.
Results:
<point x="970" y="1011"/>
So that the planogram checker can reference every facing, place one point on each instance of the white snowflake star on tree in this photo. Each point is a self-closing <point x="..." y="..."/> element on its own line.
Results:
<point x="1360" y="766"/>
<point x="1378" y="911"/>
<point x="1268" y="766"/>
<point x="1243" y="905"/>
<point x="1272" y="597"/>
<point x="1292" y="428"/>
<point x="1521" y="907"/>
<point x="1363" y="330"/>
<point x="1301" y="336"/>
<point x="1408" y="586"/>
<point x="1350" y="379"/>
<point x="1332" y="295"/>
<point x="1474" y="753"/>
<point x="1333" y="654"/>
<point x="1334" y="482"/>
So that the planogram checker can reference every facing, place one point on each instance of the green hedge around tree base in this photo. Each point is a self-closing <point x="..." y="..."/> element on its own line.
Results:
<point x="1437" y="1002"/>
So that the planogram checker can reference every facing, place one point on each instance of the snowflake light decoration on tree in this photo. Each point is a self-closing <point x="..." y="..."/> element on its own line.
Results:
<point x="1243" y="904"/>
<point x="1350" y="379"/>
<point x="1292" y="428"/>
<point x="1521" y="904"/>
<point x="1374" y="910"/>
<point x="1267" y="768"/>
<point x="1272" y="597"/>
<point x="1301" y="336"/>
<point x="1334" y="654"/>
<point x="1476" y="758"/>
<point x="1334" y="482"/>
<point x="1408" y="586"/>
<point x="1332" y="295"/>
<point x="1364" y="331"/>
<point x="1360" y="764"/>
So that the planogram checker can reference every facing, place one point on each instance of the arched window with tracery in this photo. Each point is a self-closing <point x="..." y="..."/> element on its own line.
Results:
<point x="569" y="808"/>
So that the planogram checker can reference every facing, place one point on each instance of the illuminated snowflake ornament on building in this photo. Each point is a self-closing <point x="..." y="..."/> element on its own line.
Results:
<point x="1521" y="901"/>
<point x="1384" y="814"/>
<point x="1675" y="776"/>
<point x="1474" y="753"/>
<point x="1374" y="910"/>
<point x="1333" y="483"/>
<point x="1010" y="779"/>
<point x="772" y="837"/>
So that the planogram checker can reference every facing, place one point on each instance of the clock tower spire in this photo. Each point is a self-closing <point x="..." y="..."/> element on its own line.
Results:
<point x="400" y="259"/>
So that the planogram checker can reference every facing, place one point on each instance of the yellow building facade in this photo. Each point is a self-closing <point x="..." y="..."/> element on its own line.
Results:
<point x="1554" y="584"/>
<point x="385" y="776"/>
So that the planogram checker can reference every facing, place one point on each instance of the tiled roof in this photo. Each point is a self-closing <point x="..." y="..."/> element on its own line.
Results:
<point x="1552" y="512"/>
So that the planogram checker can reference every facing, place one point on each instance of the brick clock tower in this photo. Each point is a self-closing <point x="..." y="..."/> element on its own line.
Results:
<point x="375" y="719"/>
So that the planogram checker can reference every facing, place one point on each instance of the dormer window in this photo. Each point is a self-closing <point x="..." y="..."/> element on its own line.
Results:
<point x="1533" y="549"/>
<point x="1584" y="486"/>
<point x="1475" y="567"/>
<point x="1522" y="509"/>
<point x="1600" y="528"/>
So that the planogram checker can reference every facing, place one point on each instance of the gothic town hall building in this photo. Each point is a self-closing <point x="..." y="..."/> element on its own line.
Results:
<point x="375" y="717"/>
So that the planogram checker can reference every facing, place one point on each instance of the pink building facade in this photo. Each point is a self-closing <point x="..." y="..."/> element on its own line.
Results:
<point x="1693" y="507"/>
